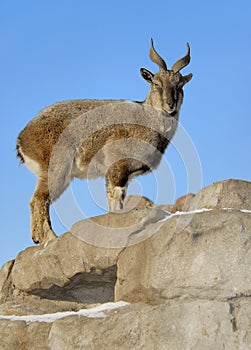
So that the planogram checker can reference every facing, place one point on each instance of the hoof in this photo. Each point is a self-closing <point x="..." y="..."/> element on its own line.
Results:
<point x="44" y="238"/>
<point x="35" y="238"/>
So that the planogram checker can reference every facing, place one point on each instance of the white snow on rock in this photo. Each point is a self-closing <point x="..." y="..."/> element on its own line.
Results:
<point x="95" y="312"/>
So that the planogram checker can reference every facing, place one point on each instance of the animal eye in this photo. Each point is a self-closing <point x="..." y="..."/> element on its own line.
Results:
<point x="157" y="83"/>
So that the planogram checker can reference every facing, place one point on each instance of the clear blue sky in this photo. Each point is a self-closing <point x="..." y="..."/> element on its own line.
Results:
<point x="58" y="50"/>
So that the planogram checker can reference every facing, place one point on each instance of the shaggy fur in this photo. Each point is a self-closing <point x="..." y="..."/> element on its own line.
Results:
<point x="117" y="140"/>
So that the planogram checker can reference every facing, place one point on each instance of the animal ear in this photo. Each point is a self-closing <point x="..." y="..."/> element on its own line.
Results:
<point x="147" y="75"/>
<point x="187" y="78"/>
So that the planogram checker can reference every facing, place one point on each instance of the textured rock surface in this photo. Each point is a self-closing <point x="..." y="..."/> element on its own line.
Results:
<point x="224" y="194"/>
<point x="182" y="204"/>
<point x="138" y="202"/>
<point x="210" y="258"/>
<point x="186" y="275"/>
<point x="177" y="324"/>
<point x="71" y="268"/>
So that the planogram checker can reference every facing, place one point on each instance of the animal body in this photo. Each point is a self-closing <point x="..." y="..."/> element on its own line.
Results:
<point x="115" y="139"/>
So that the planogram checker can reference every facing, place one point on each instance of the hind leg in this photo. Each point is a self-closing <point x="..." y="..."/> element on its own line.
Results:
<point x="40" y="216"/>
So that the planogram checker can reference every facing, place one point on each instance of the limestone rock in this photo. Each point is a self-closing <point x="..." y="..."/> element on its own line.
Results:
<point x="187" y="276"/>
<point x="197" y="255"/>
<point x="120" y="229"/>
<point x="224" y="194"/>
<point x="177" y="324"/>
<point x="28" y="304"/>
<point x="137" y="202"/>
<point x="79" y="266"/>
<point x="183" y="203"/>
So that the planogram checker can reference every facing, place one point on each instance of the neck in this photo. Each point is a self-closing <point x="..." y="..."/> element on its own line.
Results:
<point x="149" y="101"/>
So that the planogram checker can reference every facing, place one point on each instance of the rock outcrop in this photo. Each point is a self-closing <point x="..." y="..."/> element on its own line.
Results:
<point x="185" y="279"/>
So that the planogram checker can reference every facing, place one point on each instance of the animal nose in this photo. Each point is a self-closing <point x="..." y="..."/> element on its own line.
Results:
<point x="169" y="106"/>
<point x="170" y="102"/>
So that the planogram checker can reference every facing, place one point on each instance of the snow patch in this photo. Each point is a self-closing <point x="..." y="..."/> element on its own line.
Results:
<point x="95" y="312"/>
<point x="246" y="211"/>
<point x="197" y="211"/>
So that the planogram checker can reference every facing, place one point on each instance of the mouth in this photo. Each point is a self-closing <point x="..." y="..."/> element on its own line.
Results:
<point x="169" y="110"/>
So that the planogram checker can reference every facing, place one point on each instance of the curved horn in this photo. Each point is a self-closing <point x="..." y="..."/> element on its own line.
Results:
<point x="182" y="62"/>
<point x="155" y="57"/>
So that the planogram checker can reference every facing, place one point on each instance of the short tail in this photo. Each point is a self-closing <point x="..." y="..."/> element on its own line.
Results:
<point x="19" y="155"/>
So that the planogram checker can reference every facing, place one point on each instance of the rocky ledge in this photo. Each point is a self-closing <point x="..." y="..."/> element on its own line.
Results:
<point x="140" y="279"/>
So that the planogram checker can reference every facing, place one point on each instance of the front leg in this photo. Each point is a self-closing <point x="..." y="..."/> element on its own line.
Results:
<point x="116" y="185"/>
<point x="40" y="216"/>
<point x="115" y="197"/>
